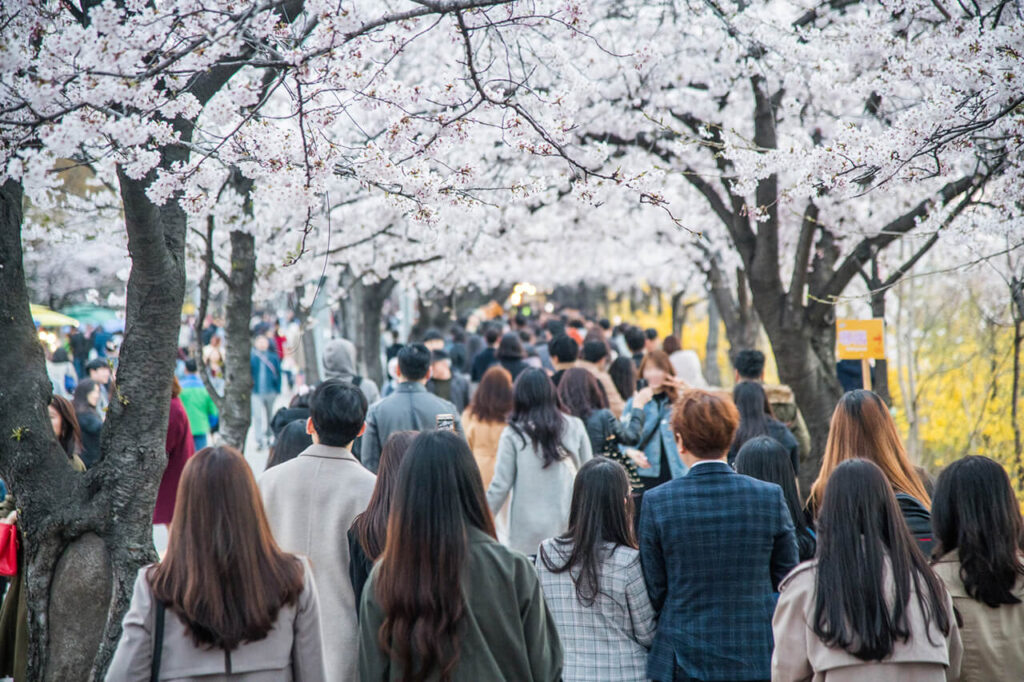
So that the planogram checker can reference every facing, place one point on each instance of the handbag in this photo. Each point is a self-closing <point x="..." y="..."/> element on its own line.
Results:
<point x="8" y="549"/>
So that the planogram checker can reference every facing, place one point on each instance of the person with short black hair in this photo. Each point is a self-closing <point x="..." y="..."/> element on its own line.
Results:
<point x="564" y="353"/>
<point x="446" y="382"/>
<point x="99" y="371"/>
<point x="433" y="339"/>
<point x="511" y="354"/>
<point x="410" y="408"/>
<point x="650" y="339"/>
<point x="488" y="357"/>
<point x="594" y="359"/>
<point x="636" y="340"/>
<point x="311" y="502"/>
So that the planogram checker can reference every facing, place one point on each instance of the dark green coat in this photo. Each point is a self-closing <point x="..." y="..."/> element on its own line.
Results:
<point x="507" y="631"/>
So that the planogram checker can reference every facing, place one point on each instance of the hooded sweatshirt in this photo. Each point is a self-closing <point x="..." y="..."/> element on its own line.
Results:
<point x="339" y="363"/>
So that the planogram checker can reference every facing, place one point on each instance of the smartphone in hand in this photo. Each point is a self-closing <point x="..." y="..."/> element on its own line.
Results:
<point x="444" y="422"/>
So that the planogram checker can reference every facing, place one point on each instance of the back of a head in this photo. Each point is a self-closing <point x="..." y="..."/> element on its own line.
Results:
<point x="414" y="361"/>
<point x="555" y="328"/>
<point x="860" y="531"/>
<point x="80" y="398"/>
<point x="59" y="355"/>
<point x="750" y="401"/>
<point x="292" y="440"/>
<point x="705" y="423"/>
<point x="671" y="344"/>
<point x="190" y="366"/>
<point x="594" y="351"/>
<point x="635" y="339"/>
<point x="749" y="364"/>
<point x="651" y="334"/>
<point x="438" y="495"/>
<point x="623" y="374"/>
<point x="863" y="428"/>
<point x="976" y="513"/>
<point x="596" y="516"/>
<point x="492" y="332"/>
<point x="511" y="347"/>
<point x="339" y="357"/>
<point x="492" y="400"/>
<point x="564" y="348"/>
<point x="580" y="393"/>
<point x="338" y="411"/>
<point x="765" y="459"/>
<point x="372" y="525"/>
<point x="536" y="416"/>
<point x="433" y="335"/>
<point x="605" y="324"/>
<point x="219" y="528"/>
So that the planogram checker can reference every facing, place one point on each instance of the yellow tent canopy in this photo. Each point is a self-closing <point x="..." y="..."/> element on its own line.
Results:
<point x="45" y="317"/>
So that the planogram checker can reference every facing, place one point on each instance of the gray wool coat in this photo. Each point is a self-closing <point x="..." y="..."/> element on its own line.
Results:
<point x="311" y="502"/>
<point x="541" y="495"/>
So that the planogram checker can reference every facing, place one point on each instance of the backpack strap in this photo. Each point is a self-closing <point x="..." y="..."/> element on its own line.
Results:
<point x="356" y="380"/>
<point x="158" y="642"/>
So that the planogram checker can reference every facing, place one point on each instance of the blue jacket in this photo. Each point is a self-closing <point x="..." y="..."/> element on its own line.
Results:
<point x="714" y="546"/>
<point x="266" y="372"/>
<point x="657" y="418"/>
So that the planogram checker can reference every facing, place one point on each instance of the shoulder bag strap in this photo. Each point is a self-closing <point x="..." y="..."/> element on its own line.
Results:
<point x="158" y="642"/>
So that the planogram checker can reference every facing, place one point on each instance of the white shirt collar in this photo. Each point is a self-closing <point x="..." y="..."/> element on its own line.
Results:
<point x="707" y="461"/>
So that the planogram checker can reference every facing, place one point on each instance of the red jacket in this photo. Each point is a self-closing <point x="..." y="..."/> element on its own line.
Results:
<point x="179" y="448"/>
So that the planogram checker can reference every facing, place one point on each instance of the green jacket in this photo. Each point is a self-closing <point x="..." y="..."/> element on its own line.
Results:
<point x="507" y="631"/>
<point x="199" y="406"/>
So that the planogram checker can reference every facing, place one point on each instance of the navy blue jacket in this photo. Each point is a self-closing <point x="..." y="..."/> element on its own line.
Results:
<point x="714" y="546"/>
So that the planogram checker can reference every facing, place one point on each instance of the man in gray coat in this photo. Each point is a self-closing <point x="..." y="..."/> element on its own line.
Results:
<point x="410" y="408"/>
<point x="311" y="502"/>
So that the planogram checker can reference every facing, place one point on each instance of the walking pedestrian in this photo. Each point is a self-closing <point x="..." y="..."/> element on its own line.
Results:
<point x="266" y="387"/>
<point x="446" y="600"/>
<point x="225" y="602"/>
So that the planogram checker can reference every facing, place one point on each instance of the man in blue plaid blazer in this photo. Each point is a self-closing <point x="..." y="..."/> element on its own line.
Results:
<point x="714" y="547"/>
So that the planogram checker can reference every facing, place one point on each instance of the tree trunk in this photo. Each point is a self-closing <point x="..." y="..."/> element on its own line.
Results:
<point x="368" y="339"/>
<point x="712" y="372"/>
<point x="236" y="409"/>
<point x="1017" y="313"/>
<point x="880" y="375"/>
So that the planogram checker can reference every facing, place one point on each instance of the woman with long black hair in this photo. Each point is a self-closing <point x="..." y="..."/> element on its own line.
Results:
<point x="225" y="602"/>
<point x="869" y="607"/>
<point x="980" y="550"/>
<point x="756" y="420"/>
<point x="539" y="453"/>
<point x="446" y="601"/>
<point x="765" y="459"/>
<point x="594" y="584"/>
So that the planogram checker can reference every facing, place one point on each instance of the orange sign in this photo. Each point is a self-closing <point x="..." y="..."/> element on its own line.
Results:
<point x="860" y="339"/>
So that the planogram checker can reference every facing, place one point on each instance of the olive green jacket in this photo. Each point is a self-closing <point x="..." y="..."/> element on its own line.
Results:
<point x="507" y="631"/>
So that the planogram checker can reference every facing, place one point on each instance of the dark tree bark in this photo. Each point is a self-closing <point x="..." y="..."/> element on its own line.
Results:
<point x="368" y="339"/>
<point x="1017" y="314"/>
<point x="712" y="372"/>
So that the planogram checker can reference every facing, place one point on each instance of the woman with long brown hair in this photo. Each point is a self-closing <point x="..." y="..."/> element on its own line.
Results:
<point x="486" y="417"/>
<point x="225" y="598"/>
<point x="446" y="601"/>
<point x="369" y="531"/>
<point x="65" y="427"/>
<point x="862" y="428"/>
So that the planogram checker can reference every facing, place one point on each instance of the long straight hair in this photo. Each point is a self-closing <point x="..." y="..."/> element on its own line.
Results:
<point x="70" y="436"/>
<point x="975" y="512"/>
<point x="601" y="512"/>
<point x="536" y="416"/>
<point x="579" y="393"/>
<point x="371" y="527"/>
<point x="223" y="575"/>
<point x="418" y="585"/>
<point x="765" y="459"/>
<point x="863" y="428"/>
<point x="752" y="404"/>
<point x="860" y="526"/>
<point x="80" y="399"/>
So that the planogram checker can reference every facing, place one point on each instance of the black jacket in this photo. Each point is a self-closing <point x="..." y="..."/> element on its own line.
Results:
<point x="91" y="426"/>
<point x="481" y="363"/>
<point x="515" y="366"/>
<point x="919" y="520"/>
<point x="603" y="426"/>
<point x="783" y="435"/>
<point x="359" y="566"/>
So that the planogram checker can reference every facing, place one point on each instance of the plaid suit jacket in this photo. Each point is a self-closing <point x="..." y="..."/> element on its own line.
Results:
<point x="714" y="546"/>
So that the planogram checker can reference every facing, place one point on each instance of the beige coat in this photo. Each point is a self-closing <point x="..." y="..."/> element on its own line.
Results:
<point x="800" y="655"/>
<point x="993" y="638"/>
<point x="483" y="441"/>
<point x="291" y="652"/>
<point x="615" y="401"/>
<point x="311" y="502"/>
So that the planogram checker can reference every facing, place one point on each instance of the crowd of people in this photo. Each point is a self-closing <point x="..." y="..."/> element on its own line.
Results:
<point x="572" y="502"/>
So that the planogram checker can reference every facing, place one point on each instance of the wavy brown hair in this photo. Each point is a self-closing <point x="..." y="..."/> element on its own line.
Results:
<point x="418" y="583"/>
<point x="492" y="400"/>
<point x="223" y="575"/>
<point x="863" y="428"/>
<point x="371" y="527"/>
<point x="580" y="393"/>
